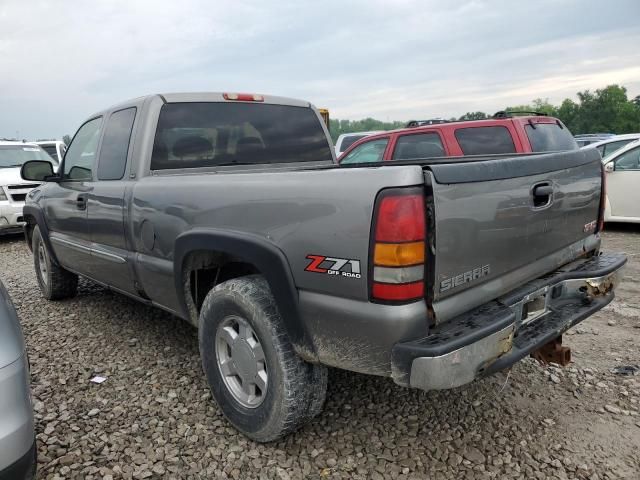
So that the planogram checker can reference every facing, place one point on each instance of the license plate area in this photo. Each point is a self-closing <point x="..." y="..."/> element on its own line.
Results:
<point x="532" y="307"/>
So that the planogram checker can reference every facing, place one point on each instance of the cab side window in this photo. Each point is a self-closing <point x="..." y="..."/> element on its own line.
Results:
<point x="368" y="152"/>
<point x="485" y="140"/>
<point x="80" y="156"/>
<point x="115" y="144"/>
<point x="423" y="145"/>
<point x="629" y="160"/>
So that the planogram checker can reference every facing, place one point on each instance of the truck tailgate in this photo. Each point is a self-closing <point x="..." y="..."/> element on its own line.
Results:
<point x="501" y="222"/>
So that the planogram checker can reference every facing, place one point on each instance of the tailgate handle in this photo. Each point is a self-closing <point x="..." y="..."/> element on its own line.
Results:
<point x="542" y="194"/>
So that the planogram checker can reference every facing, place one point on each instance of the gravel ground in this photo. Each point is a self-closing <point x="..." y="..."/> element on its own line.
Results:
<point x="154" y="417"/>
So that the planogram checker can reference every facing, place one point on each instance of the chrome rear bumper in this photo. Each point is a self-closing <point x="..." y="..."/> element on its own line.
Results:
<point x="500" y="333"/>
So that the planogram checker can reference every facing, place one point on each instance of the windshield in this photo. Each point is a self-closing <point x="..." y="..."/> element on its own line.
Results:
<point x="16" y="155"/>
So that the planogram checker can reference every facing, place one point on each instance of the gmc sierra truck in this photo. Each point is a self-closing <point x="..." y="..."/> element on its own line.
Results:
<point x="229" y="211"/>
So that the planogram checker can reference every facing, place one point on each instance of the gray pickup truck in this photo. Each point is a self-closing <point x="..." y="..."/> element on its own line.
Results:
<point x="228" y="210"/>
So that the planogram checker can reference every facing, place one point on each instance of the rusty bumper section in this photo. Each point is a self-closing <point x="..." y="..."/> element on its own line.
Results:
<point x="496" y="335"/>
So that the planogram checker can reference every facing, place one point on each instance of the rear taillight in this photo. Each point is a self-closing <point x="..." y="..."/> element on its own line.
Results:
<point x="603" y="198"/>
<point x="398" y="246"/>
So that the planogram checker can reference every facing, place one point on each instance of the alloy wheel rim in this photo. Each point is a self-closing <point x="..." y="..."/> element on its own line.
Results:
<point x="42" y="263"/>
<point x="241" y="361"/>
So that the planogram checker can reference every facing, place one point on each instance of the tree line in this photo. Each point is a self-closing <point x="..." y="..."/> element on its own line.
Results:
<point x="604" y="110"/>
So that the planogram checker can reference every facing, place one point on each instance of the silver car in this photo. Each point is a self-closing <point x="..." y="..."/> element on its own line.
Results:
<point x="17" y="441"/>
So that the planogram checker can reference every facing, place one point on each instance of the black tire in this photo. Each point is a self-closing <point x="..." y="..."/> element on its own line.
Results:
<point x="55" y="282"/>
<point x="295" y="390"/>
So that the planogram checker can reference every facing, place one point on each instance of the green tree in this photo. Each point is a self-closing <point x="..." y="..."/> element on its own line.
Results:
<point x="473" y="116"/>
<point x="338" y="127"/>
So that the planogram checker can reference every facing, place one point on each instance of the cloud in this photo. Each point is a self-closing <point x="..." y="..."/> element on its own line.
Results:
<point x="392" y="60"/>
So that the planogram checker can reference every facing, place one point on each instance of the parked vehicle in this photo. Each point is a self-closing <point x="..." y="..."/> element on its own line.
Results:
<point x="612" y="144"/>
<point x="588" y="138"/>
<point x="17" y="435"/>
<point x="13" y="189"/>
<point x="55" y="148"/>
<point x="345" y="140"/>
<point x="504" y="133"/>
<point x="230" y="212"/>
<point x="623" y="182"/>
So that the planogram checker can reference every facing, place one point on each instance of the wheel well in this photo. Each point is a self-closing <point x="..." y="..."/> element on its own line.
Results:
<point x="29" y="227"/>
<point x="202" y="270"/>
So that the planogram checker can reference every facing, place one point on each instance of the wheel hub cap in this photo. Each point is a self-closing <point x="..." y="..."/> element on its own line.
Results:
<point x="241" y="361"/>
<point x="42" y="262"/>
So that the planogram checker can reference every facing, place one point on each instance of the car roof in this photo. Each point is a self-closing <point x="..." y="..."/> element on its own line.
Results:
<point x="615" y="138"/>
<point x="486" y="122"/>
<point x="48" y="142"/>
<point x="370" y="132"/>
<point x="5" y="143"/>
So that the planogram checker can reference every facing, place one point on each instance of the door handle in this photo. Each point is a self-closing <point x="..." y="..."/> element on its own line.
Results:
<point x="542" y="194"/>
<point x="81" y="201"/>
<point x="542" y="191"/>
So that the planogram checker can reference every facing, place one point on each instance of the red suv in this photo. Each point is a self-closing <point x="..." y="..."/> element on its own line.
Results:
<point x="503" y="133"/>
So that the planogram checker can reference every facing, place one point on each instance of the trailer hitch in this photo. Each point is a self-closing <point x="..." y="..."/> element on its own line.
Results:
<point x="553" y="352"/>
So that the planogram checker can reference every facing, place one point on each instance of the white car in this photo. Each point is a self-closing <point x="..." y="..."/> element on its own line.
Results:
<point x="13" y="189"/>
<point x="623" y="179"/>
<point x="611" y="144"/>
<point x="345" y="140"/>
<point x="55" y="148"/>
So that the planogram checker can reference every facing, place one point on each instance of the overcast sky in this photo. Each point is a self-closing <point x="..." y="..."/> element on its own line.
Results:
<point x="62" y="60"/>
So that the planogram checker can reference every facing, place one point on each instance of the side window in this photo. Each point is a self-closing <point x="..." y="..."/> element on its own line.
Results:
<point x="423" y="145"/>
<point x="485" y="140"/>
<point x="367" y="152"/>
<point x="115" y="145"/>
<point x="609" y="148"/>
<point x="629" y="160"/>
<point x="78" y="161"/>
<point x="600" y="148"/>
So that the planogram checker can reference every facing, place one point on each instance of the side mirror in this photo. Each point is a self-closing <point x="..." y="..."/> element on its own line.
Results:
<point x="609" y="167"/>
<point x="37" y="170"/>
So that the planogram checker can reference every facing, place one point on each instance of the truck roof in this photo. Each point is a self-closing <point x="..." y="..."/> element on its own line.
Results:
<point x="187" y="97"/>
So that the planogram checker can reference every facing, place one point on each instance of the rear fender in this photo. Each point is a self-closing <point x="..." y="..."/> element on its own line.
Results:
<point x="266" y="257"/>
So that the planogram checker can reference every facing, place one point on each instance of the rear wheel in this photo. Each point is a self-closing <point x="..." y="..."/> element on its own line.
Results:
<point x="261" y="385"/>
<point x="55" y="282"/>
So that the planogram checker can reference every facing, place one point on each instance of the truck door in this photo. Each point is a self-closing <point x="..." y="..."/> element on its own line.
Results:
<point x="66" y="202"/>
<point x="110" y="260"/>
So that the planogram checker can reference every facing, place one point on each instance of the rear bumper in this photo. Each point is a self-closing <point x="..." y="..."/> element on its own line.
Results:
<point x="11" y="217"/>
<point x="496" y="335"/>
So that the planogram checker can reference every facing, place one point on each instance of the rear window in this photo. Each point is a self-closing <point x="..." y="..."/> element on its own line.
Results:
<point x="485" y="140"/>
<point x="192" y="135"/>
<point x="350" y="140"/>
<point x="550" y="137"/>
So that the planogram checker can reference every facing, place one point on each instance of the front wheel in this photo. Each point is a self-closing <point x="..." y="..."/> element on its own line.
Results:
<point x="261" y="385"/>
<point x="55" y="282"/>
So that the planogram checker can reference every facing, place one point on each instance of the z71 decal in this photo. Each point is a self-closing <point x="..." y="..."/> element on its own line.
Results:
<point x="344" y="267"/>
